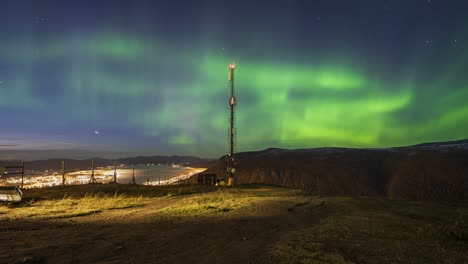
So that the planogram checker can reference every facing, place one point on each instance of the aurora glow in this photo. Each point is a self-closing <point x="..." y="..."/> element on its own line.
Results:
<point x="152" y="77"/>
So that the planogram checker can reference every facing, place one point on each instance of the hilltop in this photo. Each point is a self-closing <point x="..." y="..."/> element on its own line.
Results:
<point x="430" y="171"/>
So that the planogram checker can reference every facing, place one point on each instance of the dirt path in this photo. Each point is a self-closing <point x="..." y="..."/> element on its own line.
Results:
<point x="143" y="235"/>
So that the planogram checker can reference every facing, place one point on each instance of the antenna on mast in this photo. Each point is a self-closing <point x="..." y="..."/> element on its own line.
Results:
<point x="232" y="103"/>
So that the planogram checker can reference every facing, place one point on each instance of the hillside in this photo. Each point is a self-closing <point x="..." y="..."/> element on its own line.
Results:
<point x="435" y="171"/>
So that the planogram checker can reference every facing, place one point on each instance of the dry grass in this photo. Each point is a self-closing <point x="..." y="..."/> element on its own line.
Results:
<point x="359" y="230"/>
<point x="79" y="191"/>
<point x="68" y="207"/>
<point x="229" y="200"/>
<point x="202" y="204"/>
<point x="340" y="230"/>
<point x="70" y="201"/>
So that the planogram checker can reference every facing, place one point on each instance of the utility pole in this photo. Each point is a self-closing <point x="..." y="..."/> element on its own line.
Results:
<point x="114" y="179"/>
<point x="92" y="179"/>
<point x="232" y="103"/>
<point x="63" y="173"/>
<point x="147" y="177"/>
<point x="133" y="176"/>
<point x="22" y="173"/>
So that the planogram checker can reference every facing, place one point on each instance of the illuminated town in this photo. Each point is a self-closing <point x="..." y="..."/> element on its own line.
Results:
<point x="102" y="175"/>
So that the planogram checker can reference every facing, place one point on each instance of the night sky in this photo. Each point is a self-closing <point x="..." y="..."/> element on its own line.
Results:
<point x="117" y="78"/>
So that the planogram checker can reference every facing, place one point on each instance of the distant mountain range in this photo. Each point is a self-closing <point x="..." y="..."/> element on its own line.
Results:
<point x="77" y="164"/>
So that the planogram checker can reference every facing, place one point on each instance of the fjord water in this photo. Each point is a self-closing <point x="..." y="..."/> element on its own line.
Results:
<point x="154" y="173"/>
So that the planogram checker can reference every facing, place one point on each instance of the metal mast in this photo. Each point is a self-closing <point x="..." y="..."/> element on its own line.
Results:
<point x="232" y="103"/>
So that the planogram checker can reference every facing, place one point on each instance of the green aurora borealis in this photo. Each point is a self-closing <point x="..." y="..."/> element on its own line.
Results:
<point x="146" y="93"/>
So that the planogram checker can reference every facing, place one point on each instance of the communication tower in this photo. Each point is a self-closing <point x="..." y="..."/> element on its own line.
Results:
<point x="232" y="133"/>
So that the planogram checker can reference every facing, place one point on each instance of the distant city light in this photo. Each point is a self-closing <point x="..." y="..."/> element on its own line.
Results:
<point x="102" y="175"/>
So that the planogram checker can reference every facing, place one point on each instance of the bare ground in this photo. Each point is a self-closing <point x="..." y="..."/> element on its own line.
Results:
<point x="253" y="224"/>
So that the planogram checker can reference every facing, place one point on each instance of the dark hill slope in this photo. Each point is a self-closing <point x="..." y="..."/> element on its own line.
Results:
<point x="426" y="172"/>
<point x="430" y="175"/>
